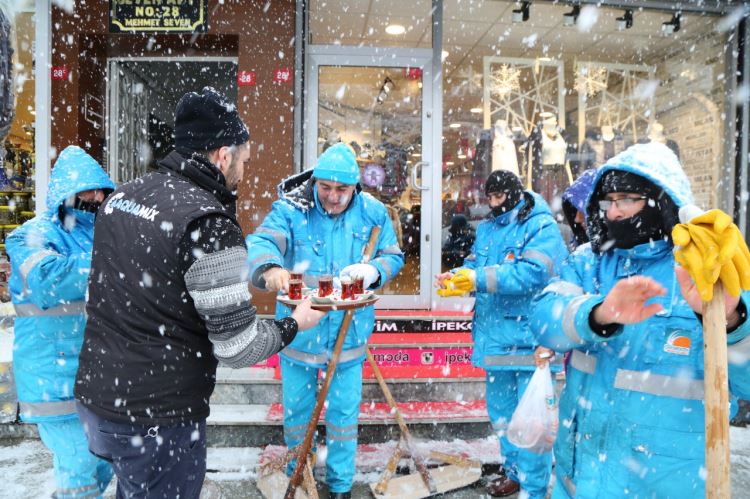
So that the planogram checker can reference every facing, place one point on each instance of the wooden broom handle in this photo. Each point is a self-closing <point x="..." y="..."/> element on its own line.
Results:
<point x="716" y="388"/>
<point x="371" y="243"/>
<point x="304" y="448"/>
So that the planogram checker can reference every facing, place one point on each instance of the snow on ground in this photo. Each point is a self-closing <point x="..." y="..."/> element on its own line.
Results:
<point x="26" y="469"/>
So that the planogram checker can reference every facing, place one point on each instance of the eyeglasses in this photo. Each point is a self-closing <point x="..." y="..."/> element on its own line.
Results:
<point x="622" y="203"/>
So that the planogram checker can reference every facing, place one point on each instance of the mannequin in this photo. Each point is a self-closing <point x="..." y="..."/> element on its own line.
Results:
<point x="655" y="133"/>
<point x="503" y="148"/>
<point x="549" y="173"/>
<point x="599" y="147"/>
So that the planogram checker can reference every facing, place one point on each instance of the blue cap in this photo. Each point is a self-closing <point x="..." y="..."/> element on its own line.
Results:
<point x="338" y="164"/>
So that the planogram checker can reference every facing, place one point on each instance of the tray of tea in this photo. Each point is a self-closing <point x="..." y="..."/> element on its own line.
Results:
<point x="334" y="301"/>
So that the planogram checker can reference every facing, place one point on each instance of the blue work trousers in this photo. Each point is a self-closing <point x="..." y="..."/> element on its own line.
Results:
<point x="78" y="473"/>
<point x="504" y="390"/>
<point x="299" y="384"/>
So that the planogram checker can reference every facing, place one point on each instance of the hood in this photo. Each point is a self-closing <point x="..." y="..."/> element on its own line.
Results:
<point x="299" y="190"/>
<point x="656" y="163"/>
<point x="579" y="191"/>
<point x="74" y="172"/>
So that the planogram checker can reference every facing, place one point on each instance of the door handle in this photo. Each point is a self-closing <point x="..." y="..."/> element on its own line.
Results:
<point x="419" y="187"/>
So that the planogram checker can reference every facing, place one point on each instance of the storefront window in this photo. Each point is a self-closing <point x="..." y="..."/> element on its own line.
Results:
<point x="557" y="94"/>
<point x="385" y="23"/>
<point x="17" y="124"/>
<point x="378" y="112"/>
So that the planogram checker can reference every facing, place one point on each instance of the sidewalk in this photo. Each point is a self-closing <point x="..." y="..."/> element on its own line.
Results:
<point x="26" y="468"/>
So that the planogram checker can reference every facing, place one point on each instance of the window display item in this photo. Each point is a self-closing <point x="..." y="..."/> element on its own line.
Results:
<point x="600" y="146"/>
<point x="655" y="133"/>
<point x="549" y="173"/>
<point x="20" y="201"/>
<point x="503" y="148"/>
<point x="25" y="216"/>
<point x="7" y="215"/>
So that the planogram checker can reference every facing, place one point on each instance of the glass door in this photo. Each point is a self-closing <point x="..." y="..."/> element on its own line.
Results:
<point x="382" y="106"/>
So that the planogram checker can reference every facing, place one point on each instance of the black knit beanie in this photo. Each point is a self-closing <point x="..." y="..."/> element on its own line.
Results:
<point x="206" y="121"/>
<point x="622" y="181"/>
<point x="508" y="183"/>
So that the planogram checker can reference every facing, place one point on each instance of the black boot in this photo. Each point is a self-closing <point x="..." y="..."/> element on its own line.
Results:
<point x="341" y="495"/>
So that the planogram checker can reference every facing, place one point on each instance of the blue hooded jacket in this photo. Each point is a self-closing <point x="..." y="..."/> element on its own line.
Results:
<point x="574" y="200"/>
<point x="514" y="256"/>
<point x="631" y="413"/>
<point x="299" y="233"/>
<point x="50" y="261"/>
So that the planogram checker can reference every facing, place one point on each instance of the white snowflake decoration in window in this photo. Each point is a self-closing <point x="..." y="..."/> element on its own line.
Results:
<point x="592" y="79"/>
<point x="505" y="80"/>
<point x="470" y="83"/>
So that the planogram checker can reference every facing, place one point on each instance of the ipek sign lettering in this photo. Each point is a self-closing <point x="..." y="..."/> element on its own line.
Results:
<point x="186" y="16"/>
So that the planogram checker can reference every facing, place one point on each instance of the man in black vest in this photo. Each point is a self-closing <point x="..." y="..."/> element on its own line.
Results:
<point x="168" y="297"/>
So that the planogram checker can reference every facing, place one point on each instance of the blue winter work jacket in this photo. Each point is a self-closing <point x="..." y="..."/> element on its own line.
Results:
<point x="632" y="412"/>
<point x="299" y="233"/>
<point x="514" y="257"/>
<point x="50" y="262"/>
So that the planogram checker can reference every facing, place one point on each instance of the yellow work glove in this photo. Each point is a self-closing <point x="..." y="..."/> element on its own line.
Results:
<point x="711" y="247"/>
<point x="462" y="282"/>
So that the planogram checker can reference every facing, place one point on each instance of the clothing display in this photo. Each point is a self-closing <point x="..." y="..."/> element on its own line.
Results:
<point x="598" y="147"/>
<point x="549" y="149"/>
<point x="504" y="156"/>
<point x="655" y="133"/>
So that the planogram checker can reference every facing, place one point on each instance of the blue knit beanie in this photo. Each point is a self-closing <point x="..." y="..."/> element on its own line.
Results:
<point x="338" y="164"/>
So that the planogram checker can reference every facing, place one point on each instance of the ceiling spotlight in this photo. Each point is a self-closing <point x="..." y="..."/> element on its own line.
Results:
<point x="522" y="14"/>
<point x="475" y="110"/>
<point x="455" y="125"/>
<point x="570" y="18"/>
<point x="395" y="29"/>
<point x="626" y="21"/>
<point x="673" y="25"/>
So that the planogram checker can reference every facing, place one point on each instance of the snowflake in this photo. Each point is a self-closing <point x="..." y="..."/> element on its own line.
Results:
<point x="505" y="80"/>
<point x="591" y="79"/>
<point x="471" y="83"/>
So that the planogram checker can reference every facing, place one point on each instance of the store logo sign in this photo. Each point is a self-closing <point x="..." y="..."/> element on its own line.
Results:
<point x="158" y="15"/>
<point x="59" y="72"/>
<point x="246" y="78"/>
<point x="282" y="75"/>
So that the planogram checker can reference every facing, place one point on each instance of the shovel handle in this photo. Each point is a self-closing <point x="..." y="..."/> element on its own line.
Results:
<point x="716" y="389"/>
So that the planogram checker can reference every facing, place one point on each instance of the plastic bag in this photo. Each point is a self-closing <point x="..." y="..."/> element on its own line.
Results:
<point x="534" y="423"/>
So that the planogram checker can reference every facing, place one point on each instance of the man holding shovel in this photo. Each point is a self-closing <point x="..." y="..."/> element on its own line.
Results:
<point x="632" y="411"/>
<point x="322" y="223"/>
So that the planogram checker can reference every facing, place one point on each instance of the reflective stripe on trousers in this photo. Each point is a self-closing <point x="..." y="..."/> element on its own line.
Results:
<point x="516" y="360"/>
<point x="31" y="310"/>
<point x="323" y="358"/>
<point x="57" y="408"/>
<point x="659" y="385"/>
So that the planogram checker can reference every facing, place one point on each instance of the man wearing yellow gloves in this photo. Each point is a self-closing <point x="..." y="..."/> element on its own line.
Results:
<point x="515" y="253"/>
<point x="631" y="413"/>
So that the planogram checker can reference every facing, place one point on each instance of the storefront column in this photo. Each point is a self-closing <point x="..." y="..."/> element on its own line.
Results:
<point x="42" y="99"/>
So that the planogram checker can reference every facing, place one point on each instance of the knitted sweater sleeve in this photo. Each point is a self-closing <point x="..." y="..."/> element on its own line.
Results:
<point x="215" y="271"/>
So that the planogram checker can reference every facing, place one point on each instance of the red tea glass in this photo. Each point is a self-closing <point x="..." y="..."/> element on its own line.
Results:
<point x="359" y="285"/>
<point x="347" y="289"/>
<point x="325" y="285"/>
<point x="296" y="276"/>
<point x="295" y="289"/>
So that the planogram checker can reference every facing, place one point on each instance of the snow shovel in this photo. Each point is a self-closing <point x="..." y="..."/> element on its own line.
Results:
<point x="716" y="388"/>
<point x="460" y="473"/>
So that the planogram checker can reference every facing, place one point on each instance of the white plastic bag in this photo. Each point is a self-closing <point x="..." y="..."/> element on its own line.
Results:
<point x="534" y="423"/>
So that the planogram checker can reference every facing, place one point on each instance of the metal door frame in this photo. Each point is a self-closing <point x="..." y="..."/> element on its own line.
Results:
<point x="112" y="104"/>
<point x="332" y="55"/>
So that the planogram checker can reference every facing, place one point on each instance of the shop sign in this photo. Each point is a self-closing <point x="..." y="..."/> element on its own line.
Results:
<point x="188" y="16"/>
<point x="246" y="78"/>
<point x="420" y="325"/>
<point x="282" y="75"/>
<point x="59" y="72"/>
<point x="413" y="73"/>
